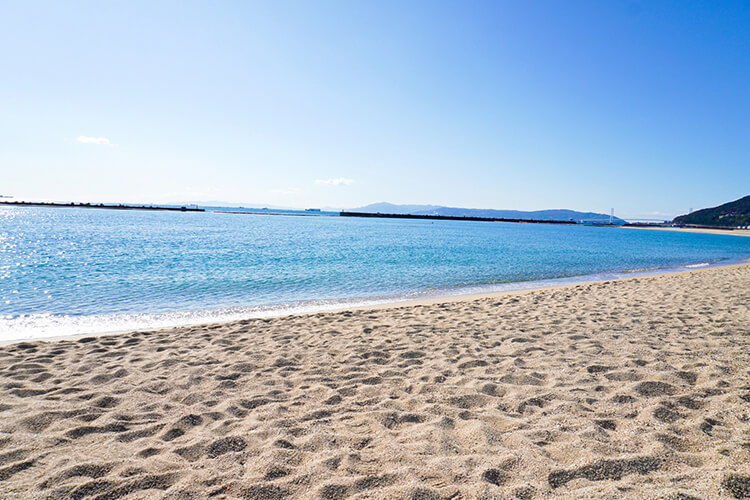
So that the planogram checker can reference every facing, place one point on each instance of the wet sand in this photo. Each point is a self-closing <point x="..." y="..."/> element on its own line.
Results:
<point x="636" y="388"/>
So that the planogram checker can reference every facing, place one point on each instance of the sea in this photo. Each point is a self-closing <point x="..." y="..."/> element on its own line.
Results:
<point x="68" y="271"/>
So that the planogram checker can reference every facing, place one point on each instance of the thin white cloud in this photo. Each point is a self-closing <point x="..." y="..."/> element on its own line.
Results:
<point x="288" y="191"/>
<point x="94" y="140"/>
<point x="339" y="181"/>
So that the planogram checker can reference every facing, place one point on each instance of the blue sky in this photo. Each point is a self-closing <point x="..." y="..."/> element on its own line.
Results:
<point x="643" y="107"/>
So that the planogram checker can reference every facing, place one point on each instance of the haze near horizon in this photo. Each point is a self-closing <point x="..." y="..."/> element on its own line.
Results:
<point x="586" y="106"/>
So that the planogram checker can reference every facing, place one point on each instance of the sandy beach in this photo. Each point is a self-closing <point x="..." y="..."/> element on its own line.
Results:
<point x="731" y="232"/>
<point x="636" y="388"/>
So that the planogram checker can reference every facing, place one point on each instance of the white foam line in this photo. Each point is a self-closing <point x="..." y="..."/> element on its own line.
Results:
<point x="46" y="326"/>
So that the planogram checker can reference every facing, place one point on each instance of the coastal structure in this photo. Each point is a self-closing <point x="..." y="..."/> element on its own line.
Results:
<point x="102" y="206"/>
<point x="450" y="217"/>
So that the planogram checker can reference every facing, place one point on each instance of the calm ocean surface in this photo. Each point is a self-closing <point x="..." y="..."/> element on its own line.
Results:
<point x="68" y="271"/>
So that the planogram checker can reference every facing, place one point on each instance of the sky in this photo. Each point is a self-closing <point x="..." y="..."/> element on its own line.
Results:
<point x="588" y="105"/>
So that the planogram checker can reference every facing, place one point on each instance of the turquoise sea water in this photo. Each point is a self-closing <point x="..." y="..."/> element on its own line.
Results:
<point x="67" y="271"/>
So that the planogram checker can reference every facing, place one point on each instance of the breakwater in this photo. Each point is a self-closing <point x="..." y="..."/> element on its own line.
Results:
<point x="450" y="217"/>
<point x="100" y="205"/>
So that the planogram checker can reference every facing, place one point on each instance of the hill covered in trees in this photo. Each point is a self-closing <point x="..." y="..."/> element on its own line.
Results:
<point x="735" y="213"/>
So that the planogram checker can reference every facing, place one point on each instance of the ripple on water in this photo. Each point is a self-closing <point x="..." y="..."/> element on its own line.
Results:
<point x="65" y="271"/>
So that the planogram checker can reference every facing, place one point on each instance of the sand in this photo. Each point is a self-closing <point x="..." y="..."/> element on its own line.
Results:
<point x="636" y="388"/>
<point x="731" y="232"/>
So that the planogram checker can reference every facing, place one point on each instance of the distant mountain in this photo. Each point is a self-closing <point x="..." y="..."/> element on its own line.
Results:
<point x="559" y="214"/>
<point x="232" y="204"/>
<point x="735" y="213"/>
<point x="390" y="208"/>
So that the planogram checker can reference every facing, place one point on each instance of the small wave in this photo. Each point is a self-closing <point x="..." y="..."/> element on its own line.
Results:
<point x="641" y="270"/>
<point x="40" y="326"/>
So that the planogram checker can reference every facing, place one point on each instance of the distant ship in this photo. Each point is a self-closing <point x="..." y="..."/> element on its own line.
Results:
<point x="312" y="210"/>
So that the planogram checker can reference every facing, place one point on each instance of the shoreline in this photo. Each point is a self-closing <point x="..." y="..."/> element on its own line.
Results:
<point x="395" y="303"/>
<point x="634" y="387"/>
<point x="730" y="232"/>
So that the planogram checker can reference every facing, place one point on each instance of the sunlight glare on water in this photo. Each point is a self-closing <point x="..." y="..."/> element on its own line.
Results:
<point x="67" y="271"/>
